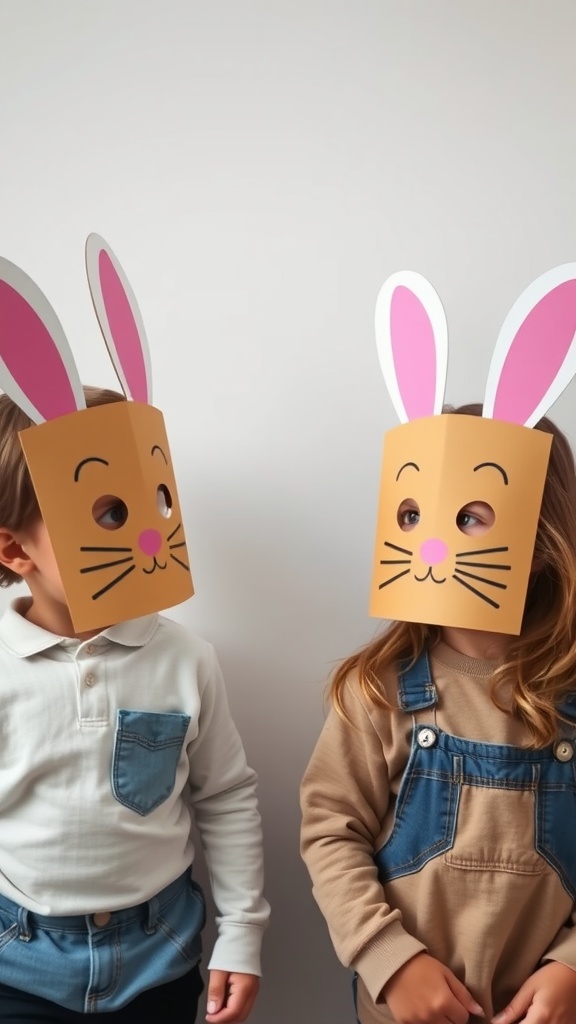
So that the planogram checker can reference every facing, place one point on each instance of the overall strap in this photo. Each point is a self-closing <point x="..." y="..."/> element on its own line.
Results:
<point x="416" y="688"/>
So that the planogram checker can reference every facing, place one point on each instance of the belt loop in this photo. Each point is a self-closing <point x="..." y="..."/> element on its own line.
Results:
<point x="24" y="933"/>
<point x="153" y="908"/>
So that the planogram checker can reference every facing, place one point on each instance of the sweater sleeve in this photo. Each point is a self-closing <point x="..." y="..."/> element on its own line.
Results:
<point x="223" y="796"/>
<point x="563" y="948"/>
<point x="344" y="796"/>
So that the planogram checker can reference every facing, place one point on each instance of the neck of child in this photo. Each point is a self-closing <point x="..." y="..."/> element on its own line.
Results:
<point x="476" y="643"/>
<point x="55" y="618"/>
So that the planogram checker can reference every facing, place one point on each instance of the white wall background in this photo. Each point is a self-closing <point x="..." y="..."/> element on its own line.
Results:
<point x="260" y="166"/>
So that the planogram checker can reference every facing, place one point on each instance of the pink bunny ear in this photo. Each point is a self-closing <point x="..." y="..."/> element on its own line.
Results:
<point x="535" y="355"/>
<point x="412" y="340"/>
<point x="120" y="319"/>
<point x="37" y="369"/>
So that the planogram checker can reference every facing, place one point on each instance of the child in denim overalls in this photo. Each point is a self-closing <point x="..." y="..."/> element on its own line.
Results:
<point x="439" y="806"/>
<point x="116" y="732"/>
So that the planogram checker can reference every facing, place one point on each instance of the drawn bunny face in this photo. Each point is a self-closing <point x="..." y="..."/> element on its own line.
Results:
<point x="430" y="565"/>
<point x="131" y="559"/>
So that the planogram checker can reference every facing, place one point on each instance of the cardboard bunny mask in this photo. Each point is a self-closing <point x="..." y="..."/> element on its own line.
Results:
<point x="78" y="455"/>
<point x="437" y="464"/>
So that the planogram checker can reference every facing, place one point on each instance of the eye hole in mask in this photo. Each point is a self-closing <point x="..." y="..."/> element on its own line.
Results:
<point x="475" y="518"/>
<point x="408" y="514"/>
<point x="164" y="501"/>
<point x="110" y="512"/>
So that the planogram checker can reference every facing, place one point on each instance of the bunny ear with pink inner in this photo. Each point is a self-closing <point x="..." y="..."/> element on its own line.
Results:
<point x="412" y="340"/>
<point x="37" y="369"/>
<point x="120" y="320"/>
<point x="535" y="355"/>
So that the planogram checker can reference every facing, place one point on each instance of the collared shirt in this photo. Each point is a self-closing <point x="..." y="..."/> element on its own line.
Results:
<point x="74" y="835"/>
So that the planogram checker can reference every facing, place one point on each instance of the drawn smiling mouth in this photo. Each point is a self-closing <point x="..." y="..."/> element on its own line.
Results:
<point x="156" y="565"/>
<point x="429" y="575"/>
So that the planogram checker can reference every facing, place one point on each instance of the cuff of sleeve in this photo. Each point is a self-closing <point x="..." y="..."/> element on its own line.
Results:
<point x="380" y="958"/>
<point x="237" y="950"/>
<point x="563" y="949"/>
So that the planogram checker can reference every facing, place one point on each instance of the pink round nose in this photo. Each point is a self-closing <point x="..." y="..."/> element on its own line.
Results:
<point x="433" y="551"/>
<point x="150" y="541"/>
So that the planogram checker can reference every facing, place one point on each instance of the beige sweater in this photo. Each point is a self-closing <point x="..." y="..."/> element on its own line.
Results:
<point x="490" y="908"/>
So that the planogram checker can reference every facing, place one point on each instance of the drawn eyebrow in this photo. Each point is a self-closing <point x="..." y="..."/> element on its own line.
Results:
<point x="494" y="465"/>
<point x="91" y="458"/>
<point x="157" y="448"/>
<point x="406" y="464"/>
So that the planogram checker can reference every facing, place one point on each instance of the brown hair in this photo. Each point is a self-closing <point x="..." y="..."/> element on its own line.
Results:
<point x="18" y="502"/>
<point x="540" y="665"/>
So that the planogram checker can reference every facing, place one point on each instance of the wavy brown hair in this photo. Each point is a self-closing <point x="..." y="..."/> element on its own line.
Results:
<point x="539" y="670"/>
<point x="18" y="502"/>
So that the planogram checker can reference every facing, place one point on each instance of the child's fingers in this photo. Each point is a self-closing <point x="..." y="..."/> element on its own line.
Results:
<point x="217" y="986"/>
<point x="464" y="996"/>
<point x="240" y="991"/>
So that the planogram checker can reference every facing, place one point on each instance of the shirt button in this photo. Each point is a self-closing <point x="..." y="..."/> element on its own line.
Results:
<point x="90" y="679"/>
<point x="90" y="649"/>
<point x="102" y="918"/>
<point x="563" y="750"/>
<point x="426" y="738"/>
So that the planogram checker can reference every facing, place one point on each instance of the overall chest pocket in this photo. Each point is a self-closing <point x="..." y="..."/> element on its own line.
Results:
<point x="484" y="807"/>
<point x="519" y="820"/>
<point x="147" y="749"/>
<point x="495" y="828"/>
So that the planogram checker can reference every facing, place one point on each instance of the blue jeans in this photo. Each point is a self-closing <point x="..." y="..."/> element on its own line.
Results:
<point x="91" y="968"/>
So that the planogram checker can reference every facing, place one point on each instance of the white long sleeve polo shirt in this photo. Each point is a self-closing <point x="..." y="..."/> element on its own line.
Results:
<point x="87" y="823"/>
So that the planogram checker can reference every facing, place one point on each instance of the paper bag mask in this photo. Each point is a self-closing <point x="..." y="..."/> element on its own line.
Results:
<point x="437" y="464"/>
<point x="78" y="455"/>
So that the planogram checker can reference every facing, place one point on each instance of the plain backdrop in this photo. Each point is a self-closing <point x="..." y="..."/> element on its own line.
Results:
<point x="259" y="167"/>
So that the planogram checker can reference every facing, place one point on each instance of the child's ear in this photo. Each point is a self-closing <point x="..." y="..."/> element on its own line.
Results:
<point x="13" y="555"/>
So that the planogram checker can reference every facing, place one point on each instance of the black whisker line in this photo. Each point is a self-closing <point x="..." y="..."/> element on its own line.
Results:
<point x="482" y="579"/>
<point x="174" y="531"/>
<point x="105" y="549"/>
<point x="480" y="551"/>
<point x="182" y="544"/>
<point x="484" y="565"/>
<point x="113" y="583"/>
<point x="477" y="592"/>
<point x="404" y="551"/>
<point x="107" y="565"/>
<point x="183" y="564"/>
<point x="394" y="561"/>
<point x="397" y="577"/>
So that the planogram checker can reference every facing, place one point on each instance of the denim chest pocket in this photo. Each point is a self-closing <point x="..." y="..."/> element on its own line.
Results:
<point x="147" y="749"/>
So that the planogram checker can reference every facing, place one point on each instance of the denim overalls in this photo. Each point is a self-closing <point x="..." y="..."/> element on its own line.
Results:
<point x="440" y="769"/>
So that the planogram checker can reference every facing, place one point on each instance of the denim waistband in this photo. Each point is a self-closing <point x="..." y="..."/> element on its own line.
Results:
<point x="84" y="924"/>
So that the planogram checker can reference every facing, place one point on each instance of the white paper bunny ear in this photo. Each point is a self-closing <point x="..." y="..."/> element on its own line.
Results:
<point x="535" y="356"/>
<point x="120" y="320"/>
<point x="37" y="369"/>
<point x="412" y="339"/>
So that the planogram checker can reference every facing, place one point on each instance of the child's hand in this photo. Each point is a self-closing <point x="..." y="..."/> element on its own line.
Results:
<point x="230" y="997"/>
<point x="424" y="991"/>
<point x="547" y="997"/>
